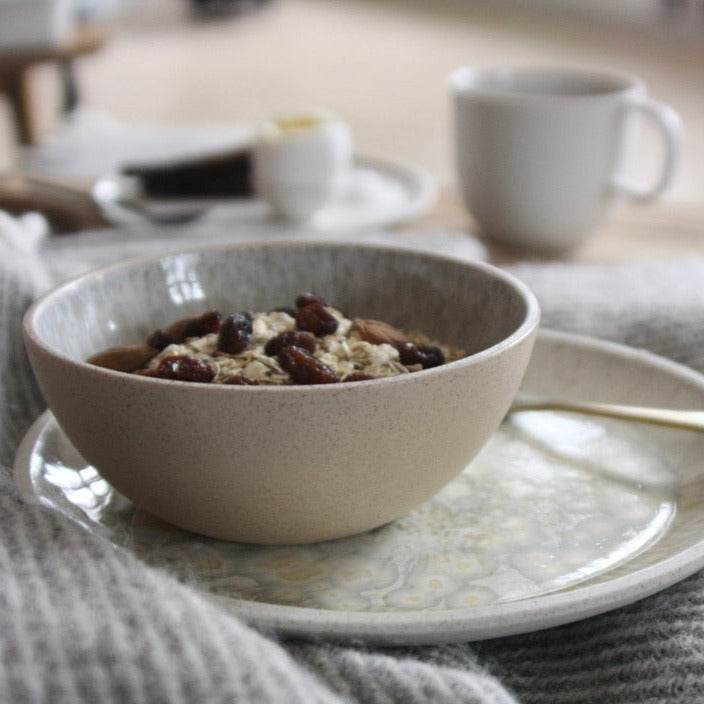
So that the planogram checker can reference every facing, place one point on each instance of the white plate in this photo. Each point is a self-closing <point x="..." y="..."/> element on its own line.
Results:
<point x="381" y="193"/>
<point x="559" y="518"/>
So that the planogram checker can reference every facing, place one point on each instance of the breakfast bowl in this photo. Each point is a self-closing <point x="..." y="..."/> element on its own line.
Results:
<point x="295" y="462"/>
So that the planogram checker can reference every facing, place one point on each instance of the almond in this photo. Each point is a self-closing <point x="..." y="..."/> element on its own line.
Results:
<point x="125" y="358"/>
<point x="378" y="332"/>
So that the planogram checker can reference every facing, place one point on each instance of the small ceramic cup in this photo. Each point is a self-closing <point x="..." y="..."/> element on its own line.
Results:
<point x="302" y="162"/>
<point x="542" y="153"/>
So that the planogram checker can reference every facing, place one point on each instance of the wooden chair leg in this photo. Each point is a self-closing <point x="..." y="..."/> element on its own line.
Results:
<point x="18" y="92"/>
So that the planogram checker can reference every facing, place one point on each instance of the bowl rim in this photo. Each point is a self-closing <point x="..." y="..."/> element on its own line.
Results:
<point x="526" y="328"/>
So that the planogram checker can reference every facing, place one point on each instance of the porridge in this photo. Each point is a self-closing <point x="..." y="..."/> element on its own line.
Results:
<point x="310" y="343"/>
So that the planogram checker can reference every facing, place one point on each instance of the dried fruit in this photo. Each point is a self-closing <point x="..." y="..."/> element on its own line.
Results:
<point x="125" y="358"/>
<point x="183" y="367"/>
<point x="200" y="325"/>
<point x="159" y="339"/>
<point x="378" y="332"/>
<point x="304" y="368"/>
<point x="242" y="348"/>
<point x="307" y="298"/>
<point x="360" y="376"/>
<point x="427" y="356"/>
<point x="192" y="326"/>
<point x="235" y="333"/>
<point x="299" y="338"/>
<point x="316" y="318"/>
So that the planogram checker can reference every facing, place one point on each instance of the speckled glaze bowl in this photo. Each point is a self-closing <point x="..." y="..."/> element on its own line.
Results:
<point x="283" y="464"/>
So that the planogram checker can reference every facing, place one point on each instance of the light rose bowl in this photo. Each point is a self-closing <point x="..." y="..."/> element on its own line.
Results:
<point x="283" y="464"/>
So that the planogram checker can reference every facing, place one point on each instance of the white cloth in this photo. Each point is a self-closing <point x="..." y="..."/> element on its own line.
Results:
<point x="84" y="622"/>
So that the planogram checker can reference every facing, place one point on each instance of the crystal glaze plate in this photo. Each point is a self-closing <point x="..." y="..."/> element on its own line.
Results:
<point x="381" y="193"/>
<point x="560" y="517"/>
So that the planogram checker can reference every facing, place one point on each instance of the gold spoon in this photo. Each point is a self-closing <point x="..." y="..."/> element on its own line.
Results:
<point x="671" y="418"/>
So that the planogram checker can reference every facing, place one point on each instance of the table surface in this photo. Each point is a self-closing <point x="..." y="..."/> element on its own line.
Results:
<point x="638" y="232"/>
<point x="383" y="66"/>
<point x="387" y="74"/>
<point x="246" y="67"/>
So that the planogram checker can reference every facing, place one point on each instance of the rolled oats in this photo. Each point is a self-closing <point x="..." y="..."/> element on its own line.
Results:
<point x="356" y="349"/>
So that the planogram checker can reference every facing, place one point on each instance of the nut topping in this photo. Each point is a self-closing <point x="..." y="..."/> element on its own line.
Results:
<point x="312" y="342"/>
<point x="304" y="368"/>
<point x="427" y="356"/>
<point x="307" y="298"/>
<point x="183" y="367"/>
<point x="299" y="338"/>
<point x="192" y="326"/>
<point x="124" y="358"/>
<point x="378" y="332"/>
<point x="235" y="333"/>
<point x="316" y="318"/>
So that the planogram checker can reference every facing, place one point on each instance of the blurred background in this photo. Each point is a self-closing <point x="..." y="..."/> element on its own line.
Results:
<point x="380" y="64"/>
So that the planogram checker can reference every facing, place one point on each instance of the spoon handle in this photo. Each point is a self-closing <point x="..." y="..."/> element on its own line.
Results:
<point x="672" y="418"/>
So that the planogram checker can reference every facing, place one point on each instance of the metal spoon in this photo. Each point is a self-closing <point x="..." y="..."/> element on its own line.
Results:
<point x="671" y="418"/>
<point x="106" y="193"/>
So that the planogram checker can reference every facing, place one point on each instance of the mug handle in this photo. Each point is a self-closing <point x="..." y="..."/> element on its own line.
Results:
<point x="671" y="128"/>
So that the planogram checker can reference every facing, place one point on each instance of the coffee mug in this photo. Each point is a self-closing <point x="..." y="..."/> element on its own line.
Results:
<point x="542" y="153"/>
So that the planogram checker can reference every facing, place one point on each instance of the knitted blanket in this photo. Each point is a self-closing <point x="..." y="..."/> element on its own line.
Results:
<point x="82" y="621"/>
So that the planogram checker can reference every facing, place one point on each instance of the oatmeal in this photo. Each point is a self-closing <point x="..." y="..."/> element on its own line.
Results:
<point x="310" y="343"/>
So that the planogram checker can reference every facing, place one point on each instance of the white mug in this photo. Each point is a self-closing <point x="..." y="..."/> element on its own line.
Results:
<point x="542" y="153"/>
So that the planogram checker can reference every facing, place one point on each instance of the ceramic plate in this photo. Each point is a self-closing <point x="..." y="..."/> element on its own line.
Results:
<point x="381" y="193"/>
<point x="560" y="517"/>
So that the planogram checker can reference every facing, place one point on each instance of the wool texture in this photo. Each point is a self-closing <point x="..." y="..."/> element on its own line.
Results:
<point x="83" y="621"/>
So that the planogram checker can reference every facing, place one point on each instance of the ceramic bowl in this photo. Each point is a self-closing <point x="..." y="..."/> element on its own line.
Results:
<point x="285" y="464"/>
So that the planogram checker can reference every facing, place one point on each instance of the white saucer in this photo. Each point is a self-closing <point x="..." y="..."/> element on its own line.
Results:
<point x="381" y="193"/>
<point x="560" y="517"/>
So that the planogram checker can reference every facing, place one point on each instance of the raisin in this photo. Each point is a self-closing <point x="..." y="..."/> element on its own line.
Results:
<point x="241" y="380"/>
<point x="193" y="326"/>
<point x="360" y="376"/>
<point x="305" y="299"/>
<point x="183" y="367"/>
<point x="160" y="339"/>
<point x="299" y="338"/>
<point x="235" y="333"/>
<point x="426" y="355"/>
<point x="201" y="325"/>
<point x="304" y="368"/>
<point x="316" y="318"/>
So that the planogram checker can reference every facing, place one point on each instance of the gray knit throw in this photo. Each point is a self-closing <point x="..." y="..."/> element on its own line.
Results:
<point x="81" y="621"/>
